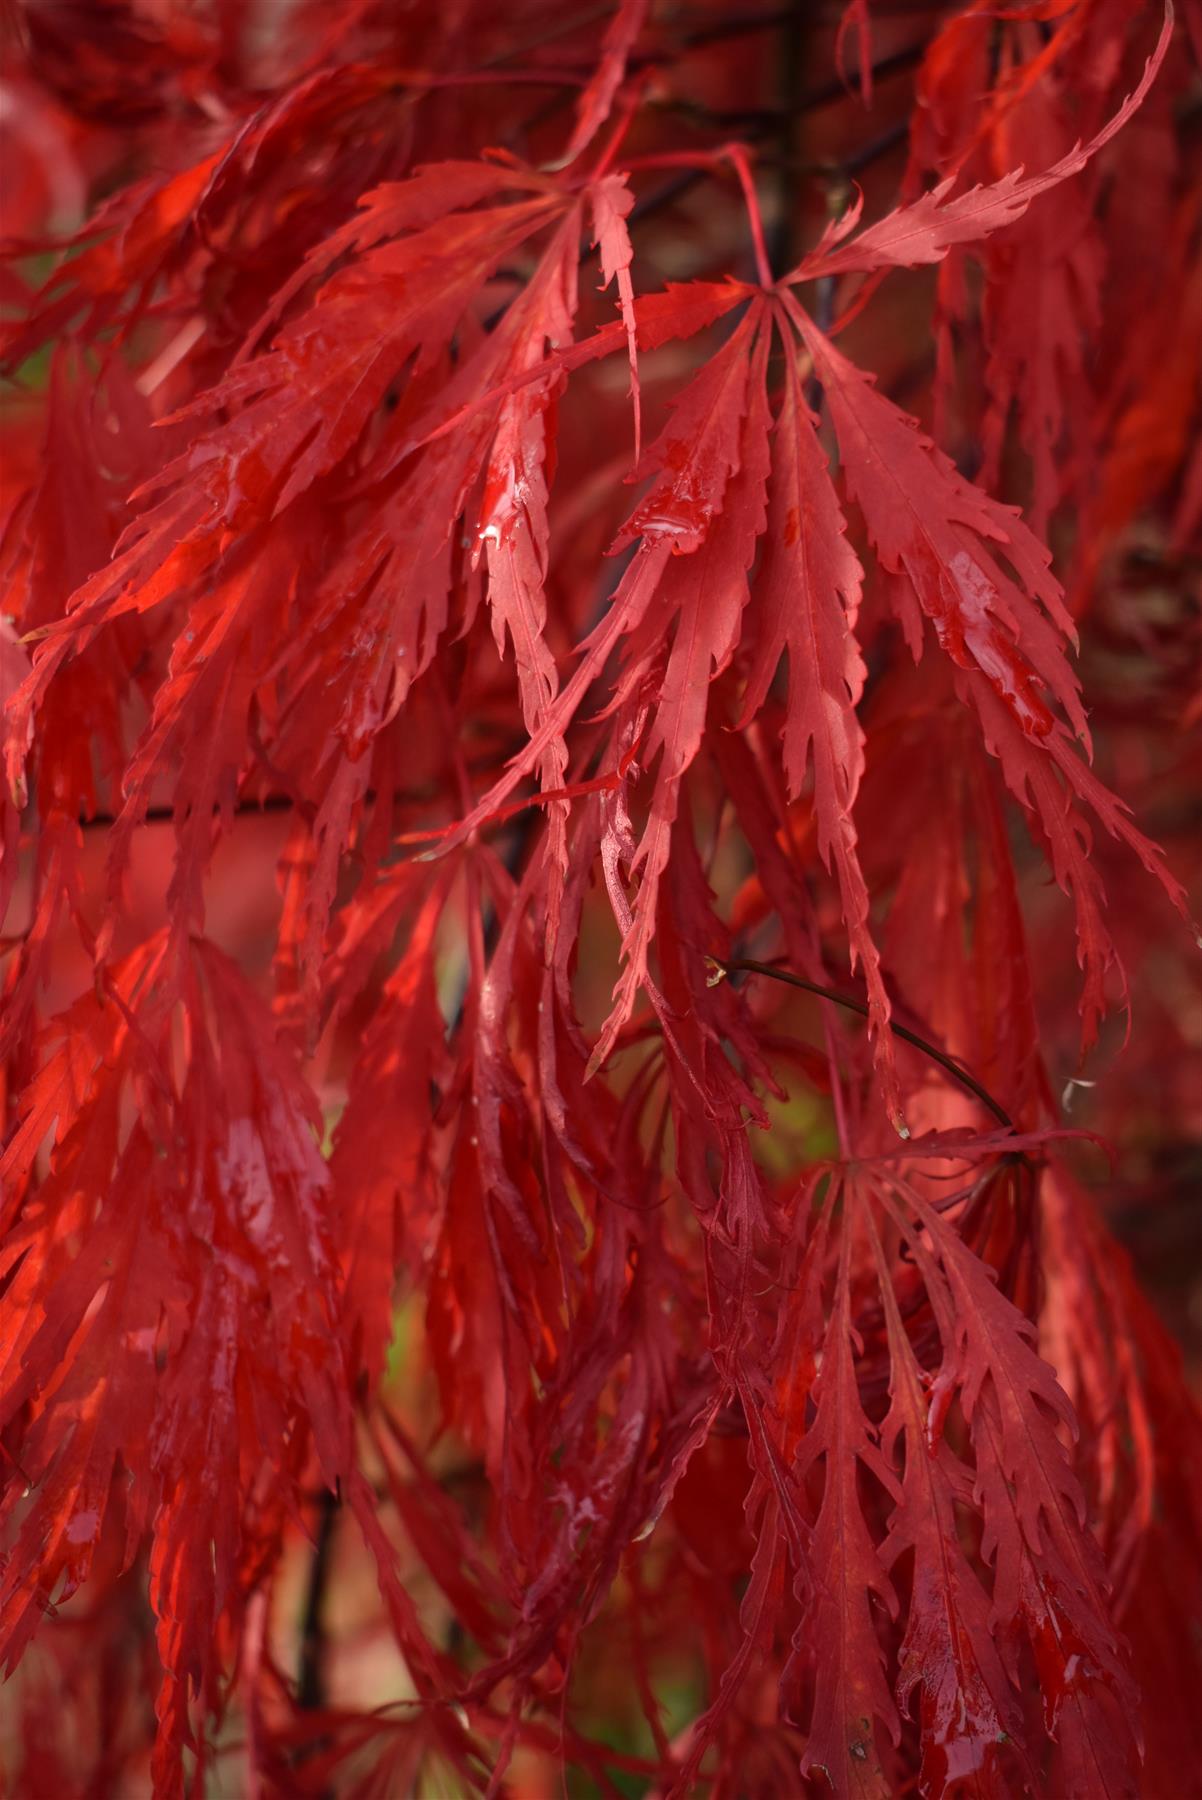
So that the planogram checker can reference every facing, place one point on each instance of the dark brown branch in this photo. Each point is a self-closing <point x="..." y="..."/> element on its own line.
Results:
<point x="956" y="1070"/>
<point x="163" y="815"/>
<point x="876" y="147"/>
<point x="785" y="249"/>
<point x="283" y="802"/>
<point x="311" y="1681"/>
<point x="829" y="91"/>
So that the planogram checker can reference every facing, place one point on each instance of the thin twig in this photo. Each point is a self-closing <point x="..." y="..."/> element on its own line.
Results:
<point x="311" y="1679"/>
<point x="785" y="251"/>
<point x="745" y="965"/>
<point x="165" y="815"/>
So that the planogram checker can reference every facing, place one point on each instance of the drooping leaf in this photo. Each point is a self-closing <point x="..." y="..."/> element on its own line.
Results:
<point x="844" y="1583"/>
<point x="808" y="596"/>
<point x="926" y="229"/>
<point x="470" y="1322"/>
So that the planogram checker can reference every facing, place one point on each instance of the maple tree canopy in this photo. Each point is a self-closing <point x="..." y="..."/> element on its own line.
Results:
<point x="599" y="627"/>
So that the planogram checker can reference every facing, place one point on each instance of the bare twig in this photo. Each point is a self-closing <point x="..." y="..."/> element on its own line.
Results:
<point x="955" y="1069"/>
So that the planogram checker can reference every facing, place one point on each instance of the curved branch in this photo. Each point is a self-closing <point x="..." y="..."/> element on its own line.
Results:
<point x="745" y="965"/>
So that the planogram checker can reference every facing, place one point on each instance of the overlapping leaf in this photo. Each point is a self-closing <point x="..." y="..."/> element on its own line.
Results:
<point x="698" y="1388"/>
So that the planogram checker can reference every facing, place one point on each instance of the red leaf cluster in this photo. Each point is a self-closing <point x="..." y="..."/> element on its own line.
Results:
<point x="545" y="559"/>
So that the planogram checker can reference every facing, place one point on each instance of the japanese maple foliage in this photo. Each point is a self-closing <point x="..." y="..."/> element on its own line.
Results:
<point x="594" y="606"/>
